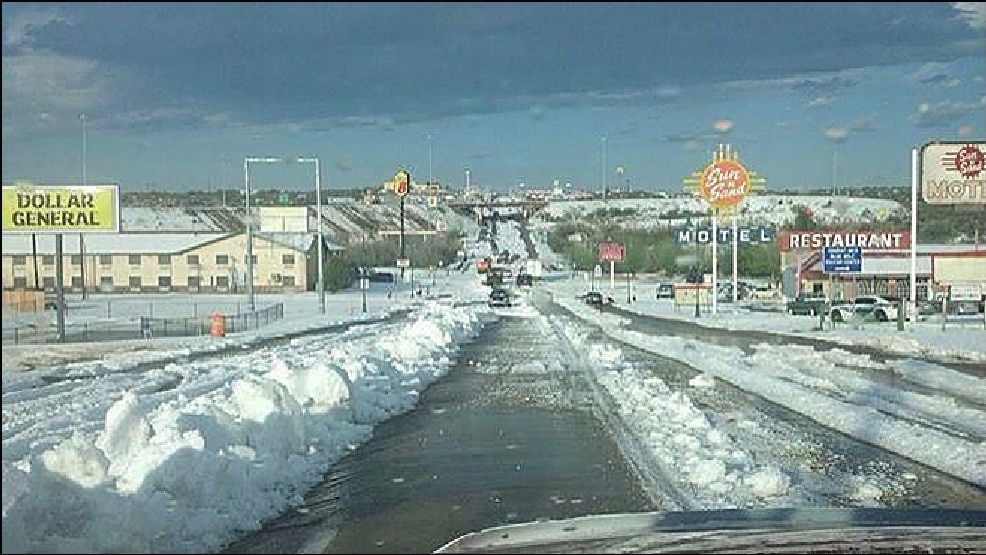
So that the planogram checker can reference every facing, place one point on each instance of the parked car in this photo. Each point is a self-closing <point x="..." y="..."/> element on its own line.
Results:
<point x="879" y="308"/>
<point x="763" y="293"/>
<point x="664" y="291"/>
<point x="811" y="304"/>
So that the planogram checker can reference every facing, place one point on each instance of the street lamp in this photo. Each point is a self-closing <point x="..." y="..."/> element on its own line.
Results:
<point x="318" y="201"/>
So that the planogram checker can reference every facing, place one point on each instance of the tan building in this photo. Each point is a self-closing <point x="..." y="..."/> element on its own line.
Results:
<point x="165" y="262"/>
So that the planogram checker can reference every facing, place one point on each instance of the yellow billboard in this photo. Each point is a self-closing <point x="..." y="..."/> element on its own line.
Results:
<point x="30" y="208"/>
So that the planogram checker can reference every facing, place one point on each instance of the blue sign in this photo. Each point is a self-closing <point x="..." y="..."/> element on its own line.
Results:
<point x="842" y="259"/>
<point x="746" y="235"/>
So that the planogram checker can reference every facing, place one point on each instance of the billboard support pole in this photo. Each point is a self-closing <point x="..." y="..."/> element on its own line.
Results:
<point x="59" y="288"/>
<point x="735" y="262"/>
<point x="715" y="263"/>
<point x="914" y="229"/>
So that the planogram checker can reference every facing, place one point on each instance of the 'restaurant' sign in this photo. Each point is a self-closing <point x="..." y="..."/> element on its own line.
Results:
<point x="788" y="239"/>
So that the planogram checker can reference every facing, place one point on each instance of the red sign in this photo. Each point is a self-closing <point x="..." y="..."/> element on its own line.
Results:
<point x="724" y="183"/>
<point x="400" y="182"/>
<point x="790" y="239"/>
<point x="968" y="161"/>
<point x="610" y="251"/>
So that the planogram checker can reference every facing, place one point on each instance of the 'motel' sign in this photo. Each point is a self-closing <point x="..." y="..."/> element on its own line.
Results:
<point x="746" y="235"/>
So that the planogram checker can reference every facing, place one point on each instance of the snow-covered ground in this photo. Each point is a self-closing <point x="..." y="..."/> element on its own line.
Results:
<point x="103" y="451"/>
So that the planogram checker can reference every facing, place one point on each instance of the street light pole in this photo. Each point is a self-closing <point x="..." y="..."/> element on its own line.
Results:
<point x="430" y="177"/>
<point x="321" y="241"/>
<point x="363" y="283"/>
<point x="82" y="240"/>
<point x="249" y="230"/>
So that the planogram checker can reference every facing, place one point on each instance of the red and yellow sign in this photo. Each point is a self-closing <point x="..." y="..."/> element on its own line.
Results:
<point x="725" y="182"/>
<point x="401" y="181"/>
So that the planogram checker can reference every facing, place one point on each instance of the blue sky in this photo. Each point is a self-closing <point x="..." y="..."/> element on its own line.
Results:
<point x="176" y="95"/>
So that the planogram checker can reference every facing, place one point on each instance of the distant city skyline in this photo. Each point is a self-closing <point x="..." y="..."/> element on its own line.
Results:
<point x="622" y="95"/>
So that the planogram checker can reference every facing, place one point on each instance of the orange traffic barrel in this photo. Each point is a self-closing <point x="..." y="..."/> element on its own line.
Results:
<point x="218" y="327"/>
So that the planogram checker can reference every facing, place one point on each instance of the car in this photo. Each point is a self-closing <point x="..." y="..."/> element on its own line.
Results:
<point x="811" y="304"/>
<point x="595" y="298"/>
<point x="664" y="291"/>
<point x="500" y="298"/>
<point x="879" y="308"/>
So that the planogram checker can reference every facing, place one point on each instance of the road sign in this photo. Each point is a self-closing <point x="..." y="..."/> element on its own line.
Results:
<point x="610" y="250"/>
<point x="402" y="182"/>
<point x="837" y="260"/>
<point x="403" y="262"/>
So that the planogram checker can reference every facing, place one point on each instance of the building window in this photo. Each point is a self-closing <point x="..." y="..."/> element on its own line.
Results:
<point x="164" y="281"/>
<point x="287" y="259"/>
<point x="222" y="259"/>
<point x="19" y="259"/>
<point x="106" y="259"/>
<point x="193" y="281"/>
<point x="20" y="282"/>
<point x="134" y="281"/>
<point x="48" y="282"/>
<point x="252" y="259"/>
<point x="77" y="281"/>
<point x="48" y="259"/>
<point x="192" y="260"/>
<point x="287" y="281"/>
<point x="222" y="281"/>
<point x="106" y="282"/>
<point x="76" y="259"/>
<point x="164" y="260"/>
<point x="134" y="259"/>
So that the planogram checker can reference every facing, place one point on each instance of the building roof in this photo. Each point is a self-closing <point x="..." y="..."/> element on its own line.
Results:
<point x="298" y="241"/>
<point x="144" y="243"/>
<point x="111" y="243"/>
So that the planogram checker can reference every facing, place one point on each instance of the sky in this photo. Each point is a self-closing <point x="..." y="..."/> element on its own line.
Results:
<point x="176" y="95"/>
<point x="135" y="471"/>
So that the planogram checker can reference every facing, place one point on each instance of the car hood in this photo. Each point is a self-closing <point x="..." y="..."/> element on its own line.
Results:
<point x="811" y="530"/>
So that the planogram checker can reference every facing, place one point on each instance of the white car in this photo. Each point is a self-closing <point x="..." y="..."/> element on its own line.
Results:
<point x="880" y="308"/>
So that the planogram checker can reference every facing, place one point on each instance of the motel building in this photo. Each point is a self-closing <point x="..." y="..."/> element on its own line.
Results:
<point x="164" y="262"/>
<point x="886" y="266"/>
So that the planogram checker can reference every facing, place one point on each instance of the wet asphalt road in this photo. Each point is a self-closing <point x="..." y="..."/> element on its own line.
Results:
<point x="498" y="440"/>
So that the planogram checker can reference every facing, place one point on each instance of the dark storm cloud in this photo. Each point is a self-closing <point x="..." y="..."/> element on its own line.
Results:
<point x="266" y="62"/>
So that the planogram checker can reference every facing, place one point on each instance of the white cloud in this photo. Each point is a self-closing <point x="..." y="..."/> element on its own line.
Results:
<point x="973" y="13"/>
<point x="823" y="100"/>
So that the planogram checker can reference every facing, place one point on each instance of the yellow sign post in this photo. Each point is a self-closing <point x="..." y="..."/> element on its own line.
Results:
<point x="30" y="208"/>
